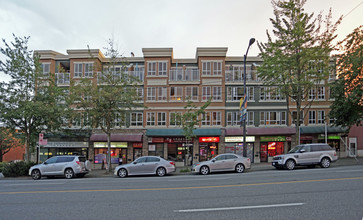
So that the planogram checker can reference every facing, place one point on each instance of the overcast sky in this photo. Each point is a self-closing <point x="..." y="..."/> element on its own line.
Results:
<point x="183" y="25"/>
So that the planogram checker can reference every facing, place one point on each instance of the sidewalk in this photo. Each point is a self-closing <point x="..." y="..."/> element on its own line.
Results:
<point x="254" y="167"/>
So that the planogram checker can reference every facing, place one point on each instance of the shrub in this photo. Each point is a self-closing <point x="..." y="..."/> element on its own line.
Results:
<point x="185" y="170"/>
<point x="14" y="169"/>
<point x="2" y="164"/>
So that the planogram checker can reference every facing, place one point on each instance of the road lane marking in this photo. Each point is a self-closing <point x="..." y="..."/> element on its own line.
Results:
<point x="182" y="188"/>
<point x="241" y="207"/>
<point x="200" y="179"/>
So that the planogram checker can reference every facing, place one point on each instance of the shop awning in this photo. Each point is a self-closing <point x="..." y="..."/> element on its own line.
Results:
<point x="179" y="132"/>
<point x="261" y="131"/>
<point x="321" y="130"/>
<point x="117" y="137"/>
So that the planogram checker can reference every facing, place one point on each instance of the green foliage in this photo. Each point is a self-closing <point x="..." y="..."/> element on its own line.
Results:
<point x="185" y="170"/>
<point x="297" y="60"/>
<point x="2" y="164"/>
<point x="347" y="90"/>
<point x="14" y="169"/>
<point x="191" y="118"/>
<point x="28" y="100"/>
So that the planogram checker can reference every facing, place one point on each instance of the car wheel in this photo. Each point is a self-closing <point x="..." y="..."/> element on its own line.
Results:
<point x="325" y="163"/>
<point x="69" y="173"/>
<point x="240" y="168"/>
<point x="204" y="170"/>
<point x="122" y="173"/>
<point x="160" y="171"/>
<point x="36" y="174"/>
<point x="290" y="164"/>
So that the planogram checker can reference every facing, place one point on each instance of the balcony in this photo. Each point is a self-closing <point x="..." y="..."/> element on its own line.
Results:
<point x="237" y="76"/>
<point x="63" y="79"/>
<point x="102" y="76"/>
<point x="184" y="75"/>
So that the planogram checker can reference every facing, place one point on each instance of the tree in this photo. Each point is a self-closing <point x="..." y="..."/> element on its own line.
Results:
<point x="106" y="102"/>
<point x="347" y="90"/>
<point x="28" y="102"/>
<point x="298" y="59"/>
<point x="7" y="142"/>
<point x="191" y="118"/>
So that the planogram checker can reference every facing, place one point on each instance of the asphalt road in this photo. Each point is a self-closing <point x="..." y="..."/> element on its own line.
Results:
<point x="334" y="193"/>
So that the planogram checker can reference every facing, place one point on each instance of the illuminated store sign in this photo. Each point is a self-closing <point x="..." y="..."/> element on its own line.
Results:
<point x="113" y="145"/>
<point x="208" y="139"/>
<point x="239" y="139"/>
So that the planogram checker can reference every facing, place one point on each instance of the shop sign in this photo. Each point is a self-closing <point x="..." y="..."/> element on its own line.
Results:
<point x="272" y="138"/>
<point x="331" y="137"/>
<point x="65" y="144"/>
<point x="137" y="145"/>
<point x="152" y="147"/>
<point x="175" y="140"/>
<point x="113" y="145"/>
<point x="288" y="138"/>
<point x="208" y="139"/>
<point x="156" y="140"/>
<point x="239" y="139"/>
<point x="306" y="137"/>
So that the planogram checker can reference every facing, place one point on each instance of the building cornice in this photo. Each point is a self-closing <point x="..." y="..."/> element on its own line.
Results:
<point x="211" y="52"/>
<point x="157" y="52"/>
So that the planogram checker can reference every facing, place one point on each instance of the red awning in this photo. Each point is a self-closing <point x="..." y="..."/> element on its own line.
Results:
<point x="260" y="131"/>
<point x="117" y="137"/>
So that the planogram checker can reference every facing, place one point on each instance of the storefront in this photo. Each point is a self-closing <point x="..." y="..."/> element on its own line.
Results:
<point x="271" y="146"/>
<point x="60" y="148"/>
<point x="235" y="145"/>
<point x="124" y="147"/>
<point x="208" y="148"/>
<point x="333" y="141"/>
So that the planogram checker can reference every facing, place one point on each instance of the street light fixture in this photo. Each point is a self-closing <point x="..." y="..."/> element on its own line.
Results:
<point x="252" y="40"/>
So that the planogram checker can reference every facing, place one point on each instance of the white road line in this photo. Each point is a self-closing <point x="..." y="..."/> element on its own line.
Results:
<point x="242" y="207"/>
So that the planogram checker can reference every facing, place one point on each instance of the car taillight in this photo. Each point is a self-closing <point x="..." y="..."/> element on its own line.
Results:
<point x="79" y="163"/>
<point x="248" y="159"/>
<point x="172" y="163"/>
<point x="335" y="153"/>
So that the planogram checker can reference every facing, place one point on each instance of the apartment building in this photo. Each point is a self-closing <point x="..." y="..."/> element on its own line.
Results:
<point x="166" y="84"/>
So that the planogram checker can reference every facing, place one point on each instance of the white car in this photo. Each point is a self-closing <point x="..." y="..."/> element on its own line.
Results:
<point x="223" y="162"/>
<point x="67" y="166"/>
<point x="147" y="165"/>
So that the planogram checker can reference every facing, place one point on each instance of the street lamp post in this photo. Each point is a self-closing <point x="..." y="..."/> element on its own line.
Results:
<point x="252" y="40"/>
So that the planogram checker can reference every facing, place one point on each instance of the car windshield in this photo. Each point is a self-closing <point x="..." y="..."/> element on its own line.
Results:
<point x="295" y="149"/>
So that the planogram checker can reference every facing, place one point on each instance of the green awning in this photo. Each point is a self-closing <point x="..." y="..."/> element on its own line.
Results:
<point x="179" y="132"/>
<point x="321" y="130"/>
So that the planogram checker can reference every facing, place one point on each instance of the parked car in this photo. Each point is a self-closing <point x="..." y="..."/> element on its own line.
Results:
<point x="306" y="155"/>
<point x="223" y="162"/>
<point x="67" y="166"/>
<point x="147" y="165"/>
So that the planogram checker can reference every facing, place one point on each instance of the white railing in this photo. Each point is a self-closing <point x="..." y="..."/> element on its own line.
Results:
<point x="180" y="74"/>
<point x="63" y="78"/>
<point x="102" y="76"/>
<point x="237" y="76"/>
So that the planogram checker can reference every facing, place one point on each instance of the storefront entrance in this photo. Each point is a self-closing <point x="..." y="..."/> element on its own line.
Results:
<point x="118" y="152"/>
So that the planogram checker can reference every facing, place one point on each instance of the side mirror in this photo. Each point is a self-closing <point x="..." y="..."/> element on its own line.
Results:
<point x="302" y="150"/>
<point x="45" y="163"/>
<point x="134" y="162"/>
<point x="213" y="161"/>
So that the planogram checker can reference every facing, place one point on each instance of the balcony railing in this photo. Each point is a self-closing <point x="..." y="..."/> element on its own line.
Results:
<point x="102" y="76"/>
<point x="188" y="74"/>
<point x="237" y="76"/>
<point x="63" y="79"/>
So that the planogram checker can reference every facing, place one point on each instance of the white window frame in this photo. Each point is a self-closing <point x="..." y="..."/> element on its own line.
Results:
<point x="162" y="93"/>
<point x="233" y="118"/>
<point x="279" y="119"/>
<point x="45" y="69"/>
<point x="206" y="93"/>
<point x="321" y="93"/>
<point x="206" y="120"/>
<point x="162" y="68"/>
<point x="161" y="118"/>
<point x="321" y="117"/>
<point x="192" y="92"/>
<point x="217" y="68"/>
<point x="312" y="117"/>
<point x="217" y="93"/>
<point x="216" y="118"/>
<point x="88" y="70"/>
<point x="151" y="94"/>
<point x="138" y="116"/>
<point x="174" y="118"/>
<point x="150" y="119"/>
<point x="151" y="68"/>
<point x="206" y="68"/>
<point x="78" y="70"/>
<point x="178" y="93"/>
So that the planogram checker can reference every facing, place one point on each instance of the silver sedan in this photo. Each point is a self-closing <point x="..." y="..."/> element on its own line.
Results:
<point x="145" y="166"/>
<point x="223" y="162"/>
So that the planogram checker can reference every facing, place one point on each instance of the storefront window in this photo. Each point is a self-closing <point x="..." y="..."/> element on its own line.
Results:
<point x="271" y="149"/>
<point x="237" y="148"/>
<point x="46" y="153"/>
<point x="207" y="151"/>
<point x="156" y="150"/>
